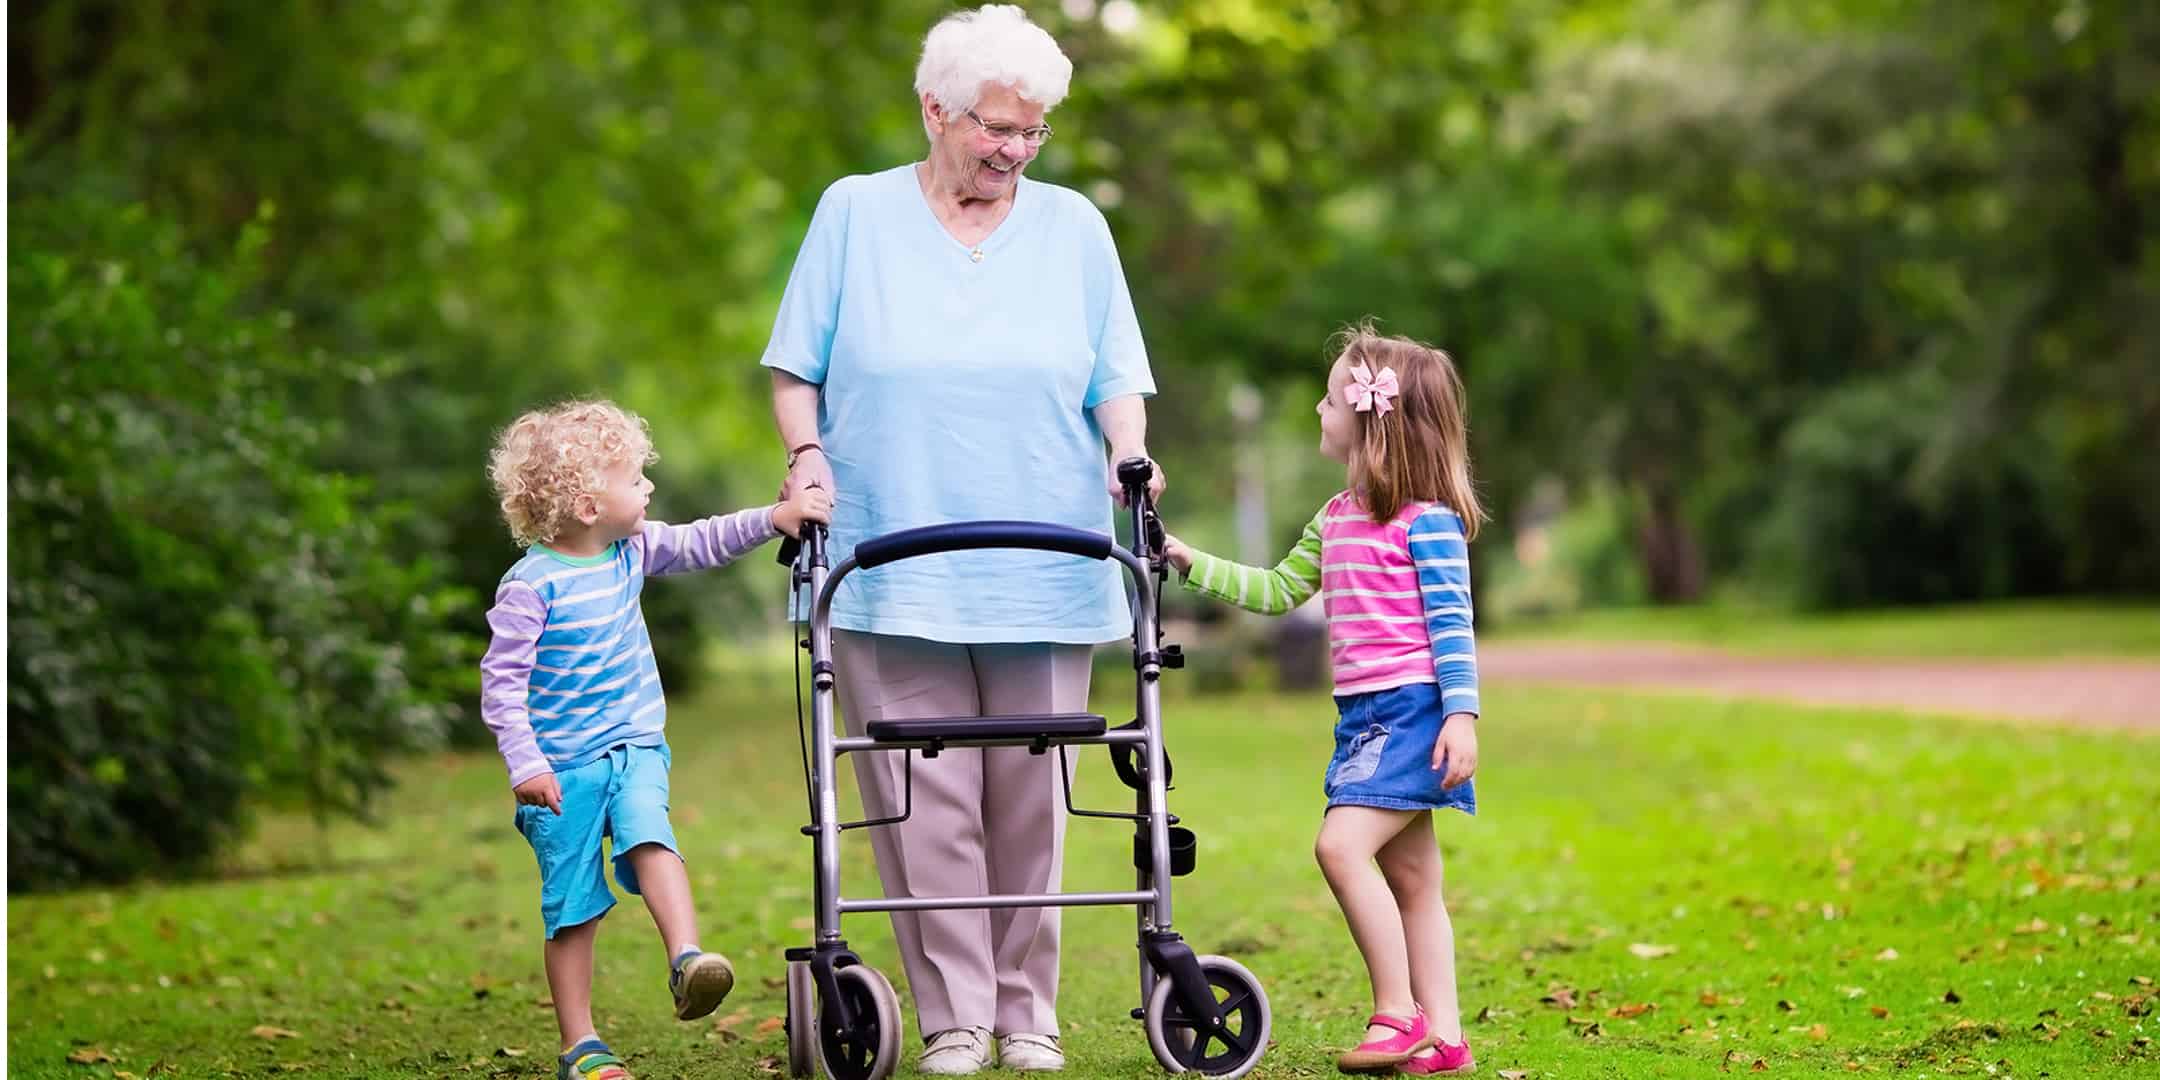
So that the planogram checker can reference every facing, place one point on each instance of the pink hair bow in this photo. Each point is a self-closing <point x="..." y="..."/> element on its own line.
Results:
<point x="1370" y="393"/>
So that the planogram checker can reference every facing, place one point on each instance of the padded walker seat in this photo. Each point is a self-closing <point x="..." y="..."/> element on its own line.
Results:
<point x="937" y="730"/>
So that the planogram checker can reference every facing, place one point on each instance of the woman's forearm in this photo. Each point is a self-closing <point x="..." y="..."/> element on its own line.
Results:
<point x="1123" y="421"/>
<point x="794" y="406"/>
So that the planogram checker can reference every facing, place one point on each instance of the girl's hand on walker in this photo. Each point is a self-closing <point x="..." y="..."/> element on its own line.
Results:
<point x="541" y="790"/>
<point x="1456" y="749"/>
<point x="1179" y="555"/>
<point x="806" y="504"/>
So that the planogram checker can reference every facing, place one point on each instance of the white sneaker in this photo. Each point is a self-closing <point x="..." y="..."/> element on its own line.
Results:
<point x="1027" y="1051"/>
<point x="956" y="1052"/>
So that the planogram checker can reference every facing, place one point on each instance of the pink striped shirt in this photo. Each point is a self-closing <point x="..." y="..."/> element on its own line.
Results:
<point x="1397" y="597"/>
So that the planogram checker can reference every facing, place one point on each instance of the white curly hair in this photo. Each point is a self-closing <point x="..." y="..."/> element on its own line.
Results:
<point x="995" y="43"/>
<point x="548" y="460"/>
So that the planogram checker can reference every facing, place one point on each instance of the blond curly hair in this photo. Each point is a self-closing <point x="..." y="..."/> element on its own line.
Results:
<point x="549" y="460"/>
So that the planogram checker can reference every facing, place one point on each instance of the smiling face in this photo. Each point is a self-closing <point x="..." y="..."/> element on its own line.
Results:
<point x="982" y="165"/>
<point x="619" y="511"/>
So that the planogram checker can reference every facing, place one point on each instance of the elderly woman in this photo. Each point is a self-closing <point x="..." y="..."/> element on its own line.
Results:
<point x="956" y="343"/>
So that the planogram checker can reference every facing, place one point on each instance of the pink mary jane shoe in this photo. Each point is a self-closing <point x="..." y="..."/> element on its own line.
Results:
<point x="1442" y="1060"/>
<point x="1383" y="1055"/>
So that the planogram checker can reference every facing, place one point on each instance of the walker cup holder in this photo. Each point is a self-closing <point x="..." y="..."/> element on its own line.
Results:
<point x="1184" y="851"/>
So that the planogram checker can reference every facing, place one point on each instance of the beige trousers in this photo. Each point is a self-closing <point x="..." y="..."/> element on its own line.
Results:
<point x="985" y="820"/>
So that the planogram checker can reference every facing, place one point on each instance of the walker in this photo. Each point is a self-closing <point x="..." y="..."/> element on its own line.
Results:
<point x="1203" y="1014"/>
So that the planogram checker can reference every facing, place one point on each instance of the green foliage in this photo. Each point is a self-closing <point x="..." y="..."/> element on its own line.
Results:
<point x="198" y="615"/>
<point x="1861" y="516"/>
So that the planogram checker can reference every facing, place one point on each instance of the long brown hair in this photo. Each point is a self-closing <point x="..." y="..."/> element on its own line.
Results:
<point x="1420" y="449"/>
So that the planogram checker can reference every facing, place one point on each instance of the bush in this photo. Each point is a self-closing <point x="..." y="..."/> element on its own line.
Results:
<point x="1869" y="510"/>
<point x="198" y="617"/>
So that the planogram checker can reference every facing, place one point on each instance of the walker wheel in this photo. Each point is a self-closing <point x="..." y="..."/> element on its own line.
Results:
<point x="801" y="1020"/>
<point x="871" y="1051"/>
<point x="1179" y="1040"/>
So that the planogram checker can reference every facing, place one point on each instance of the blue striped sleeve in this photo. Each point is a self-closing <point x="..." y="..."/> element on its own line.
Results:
<point x="1443" y="571"/>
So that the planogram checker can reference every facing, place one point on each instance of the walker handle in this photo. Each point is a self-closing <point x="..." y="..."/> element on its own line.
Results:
<point x="972" y="535"/>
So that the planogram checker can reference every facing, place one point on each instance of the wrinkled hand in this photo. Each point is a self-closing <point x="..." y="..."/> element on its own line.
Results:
<point x="1179" y="555"/>
<point x="1456" y="749"/>
<point x="541" y="790"/>
<point x="807" y="504"/>
<point x="1155" y="486"/>
<point x="811" y="470"/>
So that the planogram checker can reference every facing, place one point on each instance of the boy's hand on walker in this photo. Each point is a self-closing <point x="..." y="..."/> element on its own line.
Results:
<point x="1179" y="555"/>
<point x="1456" y="749"/>
<point x="806" y="504"/>
<point x="541" y="790"/>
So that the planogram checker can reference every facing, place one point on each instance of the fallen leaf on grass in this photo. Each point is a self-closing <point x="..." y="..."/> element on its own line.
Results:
<point x="2037" y="926"/>
<point x="1951" y="997"/>
<point x="770" y="1066"/>
<point x="1759" y="1066"/>
<point x="1886" y="954"/>
<point x="90" y="1055"/>
<point x="265" y="1031"/>
<point x="1786" y="1005"/>
<point x="1652" y="952"/>
<point x="1819" y="1032"/>
<point x="1514" y="1074"/>
<point x="771" y="1024"/>
<point x="1880" y="1012"/>
<point x="1632" y="1010"/>
<point x="1559" y="996"/>
<point x="731" y="1019"/>
<point x="510" y="1051"/>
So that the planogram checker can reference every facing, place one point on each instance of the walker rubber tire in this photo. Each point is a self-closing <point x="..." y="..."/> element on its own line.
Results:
<point x="801" y="1020"/>
<point x="874" y="1052"/>
<point x="1182" y="1047"/>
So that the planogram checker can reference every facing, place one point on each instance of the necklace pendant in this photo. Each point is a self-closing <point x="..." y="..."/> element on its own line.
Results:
<point x="975" y="255"/>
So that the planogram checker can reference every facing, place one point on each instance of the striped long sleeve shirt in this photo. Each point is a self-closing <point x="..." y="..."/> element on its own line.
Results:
<point x="569" y="668"/>
<point x="1396" y="593"/>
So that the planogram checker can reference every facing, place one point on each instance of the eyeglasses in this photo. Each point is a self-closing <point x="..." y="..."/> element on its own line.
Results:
<point x="1003" y="133"/>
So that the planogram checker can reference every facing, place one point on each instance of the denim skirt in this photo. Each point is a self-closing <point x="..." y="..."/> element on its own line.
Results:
<point x="1383" y="752"/>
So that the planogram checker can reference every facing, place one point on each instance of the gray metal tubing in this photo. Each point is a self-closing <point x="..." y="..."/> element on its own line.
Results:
<point x="824" y="753"/>
<point x="854" y="744"/>
<point x="1008" y="900"/>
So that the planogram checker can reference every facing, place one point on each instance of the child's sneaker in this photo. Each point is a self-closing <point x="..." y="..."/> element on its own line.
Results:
<point x="1383" y="1055"/>
<point x="590" y="1060"/>
<point x="700" y="981"/>
<point x="1444" y="1059"/>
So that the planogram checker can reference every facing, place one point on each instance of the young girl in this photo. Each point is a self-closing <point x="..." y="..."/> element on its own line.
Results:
<point x="1390" y="558"/>
<point x="569" y="687"/>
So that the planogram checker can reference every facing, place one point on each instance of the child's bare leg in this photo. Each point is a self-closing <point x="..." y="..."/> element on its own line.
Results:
<point x="666" y="887"/>
<point x="1411" y="862"/>
<point x="699" y="980"/>
<point x="1349" y="838"/>
<point x="568" y="957"/>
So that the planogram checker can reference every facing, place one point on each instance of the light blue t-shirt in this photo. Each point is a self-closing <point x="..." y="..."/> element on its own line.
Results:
<point x="961" y="390"/>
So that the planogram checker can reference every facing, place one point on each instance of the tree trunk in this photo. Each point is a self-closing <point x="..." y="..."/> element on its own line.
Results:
<point x="1672" y="562"/>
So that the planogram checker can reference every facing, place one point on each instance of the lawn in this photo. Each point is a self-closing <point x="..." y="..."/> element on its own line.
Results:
<point x="2032" y="630"/>
<point x="1656" y="887"/>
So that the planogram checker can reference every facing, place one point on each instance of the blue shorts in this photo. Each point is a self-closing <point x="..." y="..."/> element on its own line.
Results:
<point x="622" y="795"/>
<point x="1383" y="752"/>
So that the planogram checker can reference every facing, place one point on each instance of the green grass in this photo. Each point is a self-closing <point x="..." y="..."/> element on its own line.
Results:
<point x="1783" y="854"/>
<point x="2007" y="630"/>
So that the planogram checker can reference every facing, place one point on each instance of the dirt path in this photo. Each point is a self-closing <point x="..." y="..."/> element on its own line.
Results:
<point x="2094" y="693"/>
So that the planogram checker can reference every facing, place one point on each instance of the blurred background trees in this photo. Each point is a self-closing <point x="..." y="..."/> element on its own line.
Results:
<point x="1829" y="303"/>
